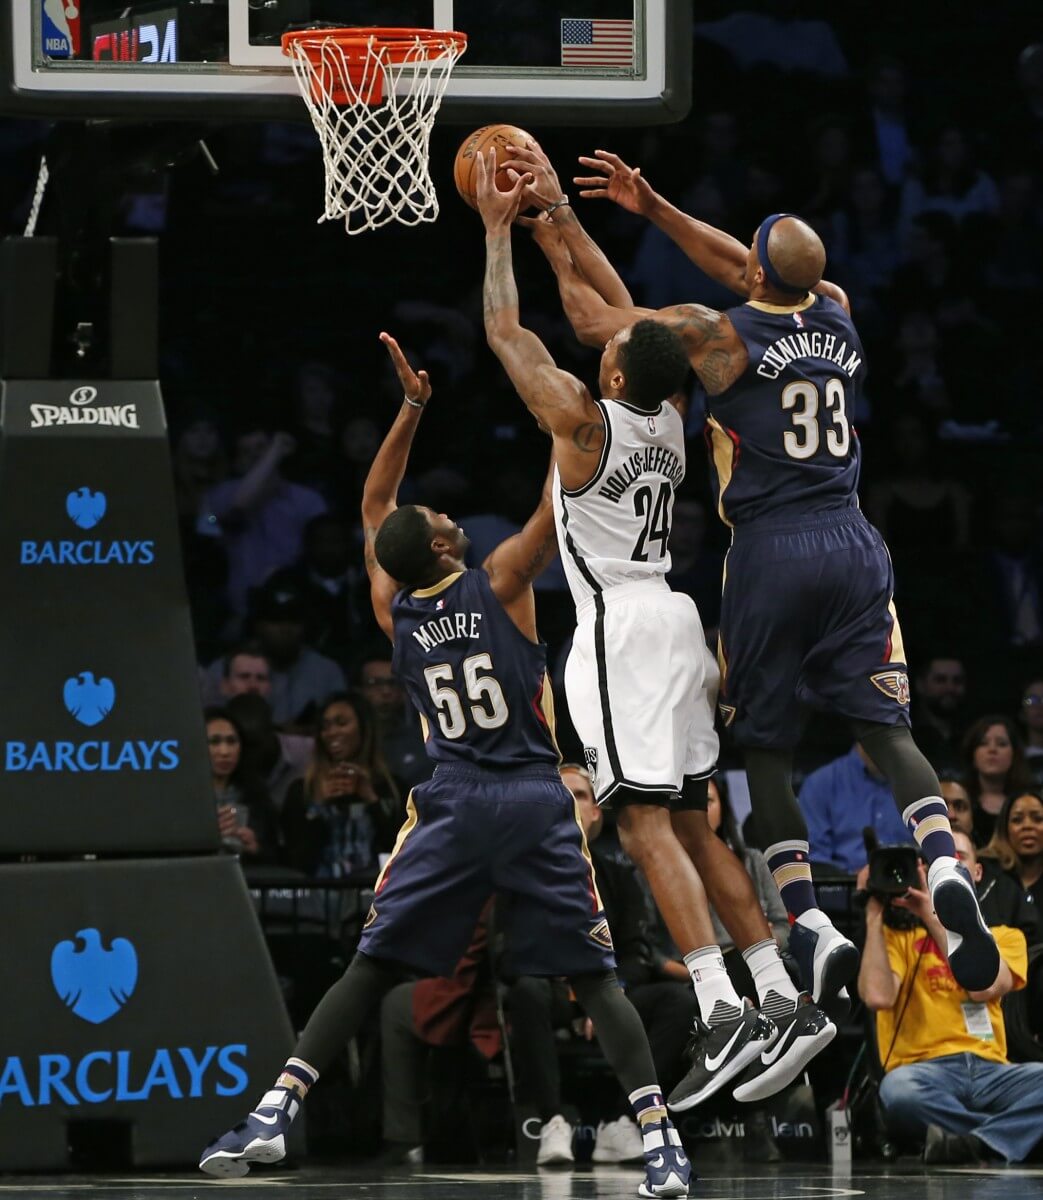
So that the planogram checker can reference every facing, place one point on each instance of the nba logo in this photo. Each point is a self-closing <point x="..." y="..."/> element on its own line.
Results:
<point x="60" y="28"/>
<point x="651" y="425"/>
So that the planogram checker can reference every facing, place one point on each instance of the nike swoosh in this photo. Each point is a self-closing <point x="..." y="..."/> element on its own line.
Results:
<point x="266" y="1120"/>
<point x="682" y="1161"/>
<point x="658" y="1161"/>
<point x="711" y="1064"/>
<point x="771" y="1055"/>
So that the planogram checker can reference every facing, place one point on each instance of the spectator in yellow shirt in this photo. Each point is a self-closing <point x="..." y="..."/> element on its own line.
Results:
<point x="944" y="1050"/>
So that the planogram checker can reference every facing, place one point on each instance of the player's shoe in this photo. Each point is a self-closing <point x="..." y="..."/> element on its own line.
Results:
<point x="555" y="1143"/>
<point x="828" y="962"/>
<point x="973" y="956"/>
<point x="618" y="1141"/>
<point x="719" y="1053"/>
<point x="802" y="1034"/>
<point x="667" y="1169"/>
<point x="260" y="1138"/>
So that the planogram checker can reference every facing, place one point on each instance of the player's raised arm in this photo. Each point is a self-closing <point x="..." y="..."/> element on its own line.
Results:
<point x="380" y="494"/>
<point x="558" y="401"/>
<point x="712" y="250"/>
<point x="519" y="559"/>
<point x="557" y="213"/>
<point x="722" y="257"/>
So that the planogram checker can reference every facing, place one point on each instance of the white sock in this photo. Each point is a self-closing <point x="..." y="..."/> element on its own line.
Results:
<point x="778" y="996"/>
<point x="718" y="1000"/>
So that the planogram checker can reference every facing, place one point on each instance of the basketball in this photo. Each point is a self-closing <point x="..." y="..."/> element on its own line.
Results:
<point x="465" y="171"/>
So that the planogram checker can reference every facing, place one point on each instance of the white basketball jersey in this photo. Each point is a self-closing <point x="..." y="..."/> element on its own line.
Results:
<point x="616" y="528"/>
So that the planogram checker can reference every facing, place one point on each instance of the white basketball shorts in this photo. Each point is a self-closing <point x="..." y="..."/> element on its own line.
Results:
<point x="641" y="687"/>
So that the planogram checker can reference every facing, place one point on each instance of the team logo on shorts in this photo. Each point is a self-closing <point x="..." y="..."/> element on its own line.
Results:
<point x="727" y="713"/>
<point x="590" y="757"/>
<point x="892" y="683"/>
<point x="602" y="934"/>
<point x="371" y="916"/>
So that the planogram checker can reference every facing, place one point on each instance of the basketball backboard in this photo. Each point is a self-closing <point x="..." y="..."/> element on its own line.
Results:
<point x="576" y="62"/>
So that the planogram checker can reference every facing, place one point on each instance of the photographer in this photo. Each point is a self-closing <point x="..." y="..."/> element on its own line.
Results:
<point x="943" y="1049"/>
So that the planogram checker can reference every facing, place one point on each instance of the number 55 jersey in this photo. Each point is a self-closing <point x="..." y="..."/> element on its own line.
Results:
<point x="477" y="681"/>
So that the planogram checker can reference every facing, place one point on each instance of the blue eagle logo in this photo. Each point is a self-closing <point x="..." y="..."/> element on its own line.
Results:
<point x="92" y="981"/>
<point x="86" y="508"/>
<point x="88" y="699"/>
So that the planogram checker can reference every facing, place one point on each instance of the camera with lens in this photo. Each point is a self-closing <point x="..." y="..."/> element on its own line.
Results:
<point x="893" y="870"/>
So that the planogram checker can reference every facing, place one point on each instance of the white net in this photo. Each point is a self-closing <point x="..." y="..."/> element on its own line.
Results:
<point x="373" y="108"/>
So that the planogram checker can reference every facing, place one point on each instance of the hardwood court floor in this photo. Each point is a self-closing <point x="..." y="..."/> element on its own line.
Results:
<point x="790" y="1182"/>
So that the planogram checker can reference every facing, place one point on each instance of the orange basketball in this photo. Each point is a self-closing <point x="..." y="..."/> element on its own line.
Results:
<point x="465" y="171"/>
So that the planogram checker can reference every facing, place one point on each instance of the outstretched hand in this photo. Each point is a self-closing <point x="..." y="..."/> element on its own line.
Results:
<point x="624" y="185"/>
<point x="545" y="188"/>
<point x="498" y="209"/>
<point x="415" y="384"/>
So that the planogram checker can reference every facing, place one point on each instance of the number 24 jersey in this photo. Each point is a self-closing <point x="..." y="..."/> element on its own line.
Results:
<point x="616" y="528"/>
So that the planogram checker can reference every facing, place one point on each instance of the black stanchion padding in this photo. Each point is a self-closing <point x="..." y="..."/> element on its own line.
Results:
<point x="102" y="746"/>
<point x="136" y="991"/>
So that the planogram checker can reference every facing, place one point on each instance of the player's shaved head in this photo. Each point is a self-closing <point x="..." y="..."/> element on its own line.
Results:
<point x="796" y="252"/>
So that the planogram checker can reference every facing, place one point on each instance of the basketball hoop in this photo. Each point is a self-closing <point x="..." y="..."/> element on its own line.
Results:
<point x="373" y="95"/>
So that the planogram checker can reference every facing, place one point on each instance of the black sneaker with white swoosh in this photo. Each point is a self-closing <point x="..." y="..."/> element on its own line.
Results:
<point x="802" y="1034"/>
<point x="719" y="1053"/>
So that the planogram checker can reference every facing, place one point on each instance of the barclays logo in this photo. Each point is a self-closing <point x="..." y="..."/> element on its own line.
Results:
<point x="93" y="982"/>
<point x="88" y="700"/>
<point x="86" y="509"/>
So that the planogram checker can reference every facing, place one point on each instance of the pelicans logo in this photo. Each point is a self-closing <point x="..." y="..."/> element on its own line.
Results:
<point x="894" y="684"/>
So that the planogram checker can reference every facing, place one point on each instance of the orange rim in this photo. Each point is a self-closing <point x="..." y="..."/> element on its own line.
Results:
<point x="397" y="43"/>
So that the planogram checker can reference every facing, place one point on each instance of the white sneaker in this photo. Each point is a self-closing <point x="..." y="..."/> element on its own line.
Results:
<point x="555" y="1142"/>
<point x="618" y="1142"/>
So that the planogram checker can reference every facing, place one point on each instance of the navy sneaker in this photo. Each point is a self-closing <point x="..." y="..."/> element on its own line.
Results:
<point x="667" y="1169"/>
<point x="720" y="1052"/>
<point x="973" y="956"/>
<point x="260" y="1138"/>
<point x="828" y="962"/>
<point x="802" y="1034"/>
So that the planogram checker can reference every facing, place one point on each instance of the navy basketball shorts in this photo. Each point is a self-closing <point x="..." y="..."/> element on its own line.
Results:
<point x="470" y="833"/>
<point x="808" y="621"/>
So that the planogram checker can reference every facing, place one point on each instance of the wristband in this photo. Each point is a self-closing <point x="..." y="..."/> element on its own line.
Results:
<point x="414" y="403"/>
<point x="556" y="205"/>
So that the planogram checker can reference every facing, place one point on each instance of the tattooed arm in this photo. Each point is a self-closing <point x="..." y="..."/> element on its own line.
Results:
<point x="380" y="494"/>
<point x="518" y="560"/>
<point x="717" y="354"/>
<point x="558" y="401"/>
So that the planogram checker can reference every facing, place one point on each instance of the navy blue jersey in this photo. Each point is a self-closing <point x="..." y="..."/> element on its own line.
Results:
<point x="781" y="437"/>
<point x="479" y="684"/>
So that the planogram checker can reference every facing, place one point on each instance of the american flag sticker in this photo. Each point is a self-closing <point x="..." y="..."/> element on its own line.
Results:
<point x="596" y="43"/>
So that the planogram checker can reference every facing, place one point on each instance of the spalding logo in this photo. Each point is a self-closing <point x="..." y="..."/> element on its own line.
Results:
<point x="85" y="507"/>
<point x="92" y="981"/>
<point x="89" y="700"/>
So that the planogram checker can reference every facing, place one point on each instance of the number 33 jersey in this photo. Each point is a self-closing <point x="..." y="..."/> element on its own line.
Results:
<point x="477" y="681"/>
<point x="616" y="528"/>
<point x="782" y="439"/>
